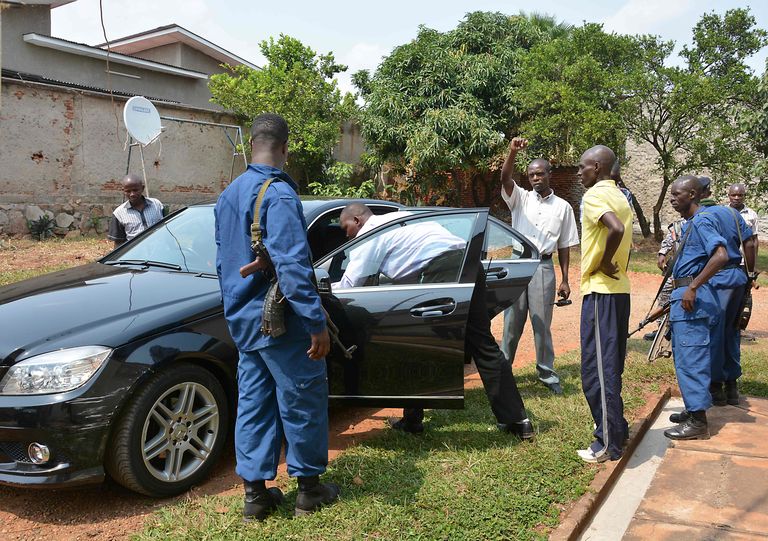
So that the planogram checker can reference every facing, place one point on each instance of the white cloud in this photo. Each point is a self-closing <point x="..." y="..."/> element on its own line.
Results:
<point x="361" y="56"/>
<point x="645" y="16"/>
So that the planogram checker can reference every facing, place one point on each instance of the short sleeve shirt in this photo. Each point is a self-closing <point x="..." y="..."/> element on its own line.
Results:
<point x="601" y="198"/>
<point x="750" y="216"/>
<point x="127" y="221"/>
<point x="547" y="221"/>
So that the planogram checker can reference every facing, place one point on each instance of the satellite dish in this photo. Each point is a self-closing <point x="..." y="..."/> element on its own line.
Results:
<point x="141" y="120"/>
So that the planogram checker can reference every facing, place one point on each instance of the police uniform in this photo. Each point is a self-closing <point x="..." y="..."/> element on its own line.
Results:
<point x="694" y="333"/>
<point x="282" y="392"/>
<point x="729" y="284"/>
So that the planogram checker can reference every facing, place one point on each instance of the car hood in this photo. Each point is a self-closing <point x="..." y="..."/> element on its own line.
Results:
<point x="98" y="304"/>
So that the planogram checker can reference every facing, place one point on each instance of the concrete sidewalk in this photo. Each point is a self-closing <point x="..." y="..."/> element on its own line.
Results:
<point x="700" y="489"/>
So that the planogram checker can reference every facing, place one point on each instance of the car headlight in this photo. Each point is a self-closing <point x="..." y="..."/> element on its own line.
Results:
<point x="54" y="372"/>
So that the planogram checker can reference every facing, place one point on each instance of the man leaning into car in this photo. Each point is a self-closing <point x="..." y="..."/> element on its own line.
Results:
<point x="282" y="382"/>
<point x="494" y="368"/>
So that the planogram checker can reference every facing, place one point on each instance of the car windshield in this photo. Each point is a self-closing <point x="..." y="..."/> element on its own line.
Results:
<point x="185" y="240"/>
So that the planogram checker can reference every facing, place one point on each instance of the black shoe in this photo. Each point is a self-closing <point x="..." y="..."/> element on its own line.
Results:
<point x="718" y="394"/>
<point x="311" y="498"/>
<point x="260" y="501"/>
<point x="554" y="387"/>
<point x="732" y="393"/>
<point x="681" y="417"/>
<point x="402" y="424"/>
<point x="522" y="429"/>
<point x="650" y="336"/>
<point x="695" y="428"/>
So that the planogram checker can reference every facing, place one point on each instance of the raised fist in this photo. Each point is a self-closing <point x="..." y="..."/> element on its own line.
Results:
<point x="518" y="143"/>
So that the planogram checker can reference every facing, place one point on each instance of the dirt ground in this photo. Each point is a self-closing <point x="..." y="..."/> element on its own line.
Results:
<point x="108" y="511"/>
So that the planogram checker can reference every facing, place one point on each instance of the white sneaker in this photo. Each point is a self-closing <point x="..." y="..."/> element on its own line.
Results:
<point x="587" y="455"/>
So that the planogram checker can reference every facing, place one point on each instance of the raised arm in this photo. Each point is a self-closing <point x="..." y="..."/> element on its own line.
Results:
<point x="516" y="145"/>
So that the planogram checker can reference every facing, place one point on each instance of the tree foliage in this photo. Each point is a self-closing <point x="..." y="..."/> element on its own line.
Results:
<point x="690" y="115"/>
<point x="442" y="103"/>
<point x="297" y="84"/>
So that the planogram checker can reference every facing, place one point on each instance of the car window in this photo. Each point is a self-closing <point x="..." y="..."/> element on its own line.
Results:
<point x="416" y="251"/>
<point x="186" y="239"/>
<point x="501" y="244"/>
<point x="325" y="233"/>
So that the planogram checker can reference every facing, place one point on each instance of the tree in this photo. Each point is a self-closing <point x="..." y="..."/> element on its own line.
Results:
<point x="571" y="91"/>
<point x="440" y="104"/>
<point x="689" y="115"/>
<point x="297" y="84"/>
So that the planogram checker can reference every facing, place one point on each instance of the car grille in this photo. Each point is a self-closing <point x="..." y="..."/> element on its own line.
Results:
<point x="14" y="450"/>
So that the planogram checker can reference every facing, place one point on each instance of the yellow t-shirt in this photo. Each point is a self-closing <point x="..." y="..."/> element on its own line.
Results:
<point x="604" y="197"/>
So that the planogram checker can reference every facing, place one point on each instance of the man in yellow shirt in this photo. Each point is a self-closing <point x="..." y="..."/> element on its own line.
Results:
<point x="606" y="238"/>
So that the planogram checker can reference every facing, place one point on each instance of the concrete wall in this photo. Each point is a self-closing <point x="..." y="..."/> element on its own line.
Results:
<point x="643" y="178"/>
<point x="61" y="148"/>
<point x="62" y="66"/>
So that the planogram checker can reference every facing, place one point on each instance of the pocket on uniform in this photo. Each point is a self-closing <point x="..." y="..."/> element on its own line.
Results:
<point x="691" y="332"/>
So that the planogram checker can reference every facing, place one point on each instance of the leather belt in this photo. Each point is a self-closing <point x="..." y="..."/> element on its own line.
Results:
<point x="682" y="282"/>
<point x="544" y="257"/>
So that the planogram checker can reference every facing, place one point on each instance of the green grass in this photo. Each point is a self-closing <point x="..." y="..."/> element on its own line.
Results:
<point x="461" y="480"/>
<point x="10" y="277"/>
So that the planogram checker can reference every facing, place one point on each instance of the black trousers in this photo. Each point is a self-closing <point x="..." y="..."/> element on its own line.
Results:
<point x="494" y="368"/>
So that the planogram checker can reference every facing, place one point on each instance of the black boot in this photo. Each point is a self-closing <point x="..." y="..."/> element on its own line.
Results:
<point x="313" y="495"/>
<point x="732" y="392"/>
<point x="260" y="501"/>
<point x="717" y="392"/>
<point x="695" y="428"/>
<point x="681" y="417"/>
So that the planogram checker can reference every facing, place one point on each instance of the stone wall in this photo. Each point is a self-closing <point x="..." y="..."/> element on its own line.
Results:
<point x="63" y="151"/>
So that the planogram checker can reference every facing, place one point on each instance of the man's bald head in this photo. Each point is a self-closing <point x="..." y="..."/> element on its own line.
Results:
<point x="539" y="171"/>
<point x="133" y="189"/>
<point x="353" y="217"/>
<point x="596" y="164"/>
<point x="130" y="178"/>
<point x="684" y="195"/>
<point x="736" y="194"/>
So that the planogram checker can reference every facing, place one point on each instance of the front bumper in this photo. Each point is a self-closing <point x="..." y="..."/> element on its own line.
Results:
<point x="75" y="434"/>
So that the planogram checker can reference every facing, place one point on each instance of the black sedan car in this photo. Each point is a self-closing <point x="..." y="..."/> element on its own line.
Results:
<point x="125" y="366"/>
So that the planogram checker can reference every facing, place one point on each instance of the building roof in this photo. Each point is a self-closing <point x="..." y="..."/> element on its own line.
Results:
<point x="173" y="33"/>
<point x="32" y="78"/>
<point x="114" y="57"/>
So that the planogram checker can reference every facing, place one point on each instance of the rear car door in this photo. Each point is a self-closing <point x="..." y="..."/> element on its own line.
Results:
<point x="509" y="261"/>
<point x="407" y="324"/>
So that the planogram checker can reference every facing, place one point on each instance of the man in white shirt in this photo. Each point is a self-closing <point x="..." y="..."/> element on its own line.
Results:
<point x="736" y="194"/>
<point x="494" y="369"/>
<point x="548" y="222"/>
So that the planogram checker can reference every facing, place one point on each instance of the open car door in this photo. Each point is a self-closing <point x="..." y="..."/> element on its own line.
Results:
<point x="509" y="262"/>
<point x="401" y="296"/>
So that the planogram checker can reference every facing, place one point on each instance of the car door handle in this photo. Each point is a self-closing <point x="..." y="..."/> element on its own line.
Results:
<point x="496" y="274"/>
<point x="434" y="310"/>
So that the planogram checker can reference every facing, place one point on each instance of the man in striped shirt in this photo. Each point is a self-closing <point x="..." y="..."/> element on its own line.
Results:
<point x="136" y="214"/>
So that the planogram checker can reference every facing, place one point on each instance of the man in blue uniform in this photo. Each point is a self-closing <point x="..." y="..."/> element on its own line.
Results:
<point x="282" y="384"/>
<point x="695" y="310"/>
<point x="730" y="284"/>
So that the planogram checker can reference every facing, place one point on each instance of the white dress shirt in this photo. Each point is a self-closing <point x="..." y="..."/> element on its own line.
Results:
<point x="398" y="253"/>
<point x="546" y="221"/>
<point x="750" y="216"/>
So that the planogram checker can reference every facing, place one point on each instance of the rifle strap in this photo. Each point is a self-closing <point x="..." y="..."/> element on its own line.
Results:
<point x="256" y="236"/>
<point x="741" y="241"/>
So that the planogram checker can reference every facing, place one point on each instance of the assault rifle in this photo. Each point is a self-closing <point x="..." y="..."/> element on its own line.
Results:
<point x="651" y="317"/>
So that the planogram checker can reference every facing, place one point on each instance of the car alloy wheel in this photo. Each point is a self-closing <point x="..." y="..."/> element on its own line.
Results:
<point x="180" y="431"/>
<point x="170" y="433"/>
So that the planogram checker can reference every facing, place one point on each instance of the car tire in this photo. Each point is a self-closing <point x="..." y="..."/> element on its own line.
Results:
<point x="171" y="433"/>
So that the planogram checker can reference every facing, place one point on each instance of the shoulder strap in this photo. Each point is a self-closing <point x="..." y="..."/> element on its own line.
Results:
<point x="256" y="225"/>
<point x="741" y="240"/>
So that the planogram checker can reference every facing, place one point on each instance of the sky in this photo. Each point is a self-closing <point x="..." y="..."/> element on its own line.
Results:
<point x="361" y="33"/>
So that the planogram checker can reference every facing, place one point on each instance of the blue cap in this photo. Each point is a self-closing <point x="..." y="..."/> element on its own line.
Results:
<point x="705" y="182"/>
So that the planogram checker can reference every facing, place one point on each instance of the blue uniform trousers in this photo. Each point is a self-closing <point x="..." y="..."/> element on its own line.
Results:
<point x="604" y="327"/>
<point x="282" y="394"/>
<point x="726" y="361"/>
<point x="694" y="344"/>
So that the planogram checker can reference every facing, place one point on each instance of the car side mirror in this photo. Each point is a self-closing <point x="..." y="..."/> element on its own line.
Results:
<point x="323" y="280"/>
